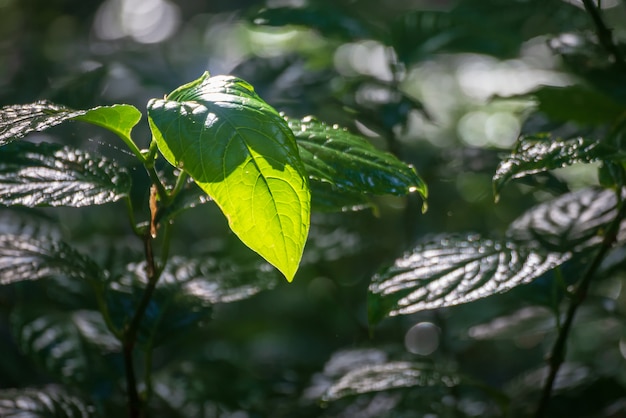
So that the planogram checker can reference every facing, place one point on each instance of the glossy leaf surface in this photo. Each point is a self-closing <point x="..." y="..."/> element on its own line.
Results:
<point x="241" y="152"/>
<point x="49" y="402"/>
<point x="534" y="154"/>
<point x="19" y="120"/>
<point x="351" y="164"/>
<point x="571" y="222"/>
<point x="453" y="270"/>
<point x="48" y="174"/>
<point x="24" y="258"/>
<point x="388" y="376"/>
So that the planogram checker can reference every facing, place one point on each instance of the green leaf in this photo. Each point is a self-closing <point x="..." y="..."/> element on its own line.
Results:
<point x="19" y="120"/>
<point x="241" y="152"/>
<point x="23" y="258"/>
<point x="119" y="119"/>
<point x="389" y="376"/>
<point x="73" y="346"/>
<point x="326" y="198"/>
<point x="187" y="290"/>
<point x="52" y="175"/>
<point x="577" y="103"/>
<point x="350" y="163"/>
<point x="452" y="270"/>
<point x="571" y="222"/>
<point x="51" y="402"/>
<point x="537" y="153"/>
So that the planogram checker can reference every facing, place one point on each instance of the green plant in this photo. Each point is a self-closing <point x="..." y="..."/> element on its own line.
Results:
<point x="264" y="171"/>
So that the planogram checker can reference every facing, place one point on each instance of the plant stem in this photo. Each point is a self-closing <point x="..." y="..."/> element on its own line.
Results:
<point x="557" y="355"/>
<point x="604" y="33"/>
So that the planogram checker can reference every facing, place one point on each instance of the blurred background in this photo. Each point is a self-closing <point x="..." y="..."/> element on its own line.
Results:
<point x="442" y="84"/>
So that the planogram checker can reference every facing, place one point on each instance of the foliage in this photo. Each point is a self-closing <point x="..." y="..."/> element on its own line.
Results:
<point x="143" y="277"/>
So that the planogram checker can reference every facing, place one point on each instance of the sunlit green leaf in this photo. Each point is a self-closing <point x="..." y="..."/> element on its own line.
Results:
<point x="24" y="258"/>
<point x="19" y="120"/>
<point x="50" y="402"/>
<point x="242" y="153"/>
<point x="389" y="376"/>
<point x="452" y="270"/>
<point x="350" y="163"/>
<point x="53" y="175"/>
<point x="571" y="222"/>
<point x="73" y="346"/>
<point x="537" y="153"/>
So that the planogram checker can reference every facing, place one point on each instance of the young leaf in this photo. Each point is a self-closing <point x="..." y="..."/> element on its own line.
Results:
<point x="453" y="270"/>
<point x="571" y="222"/>
<point x="50" y="402"/>
<point x="241" y="152"/>
<point x="350" y="163"/>
<point x="537" y="153"/>
<point x="72" y="346"/>
<point x="389" y="376"/>
<point x="24" y="258"/>
<point x="19" y="120"/>
<point x="52" y="175"/>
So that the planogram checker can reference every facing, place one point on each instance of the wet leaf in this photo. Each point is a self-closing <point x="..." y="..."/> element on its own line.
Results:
<point x="452" y="270"/>
<point x="326" y="198"/>
<point x="571" y="222"/>
<point x="241" y="152"/>
<point x="24" y="258"/>
<point x="537" y="153"/>
<point x="389" y="376"/>
<point x="351" y="164"/>
<point x="72" y="346"/>
<point x="53" y="175"/>
<point x="50" y="402"/>
<point x="19" y="120"/>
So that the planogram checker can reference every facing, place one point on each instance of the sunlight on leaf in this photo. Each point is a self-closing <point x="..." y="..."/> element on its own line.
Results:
<point x="24" y="258"/>
<point x="452" y="270"/>
<point x="53" y="175"/>
<point x="241" y="152"/>
<point x="537" y="153"/>
<point x="571" y="222"/>
<point x="351" y="164"/>
<point x="49" y="402"/>
<point x="19" y="120"/>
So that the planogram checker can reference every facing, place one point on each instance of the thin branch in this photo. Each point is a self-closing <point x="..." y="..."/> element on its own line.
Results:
<point x="557" y="355"/>
<point x="605" y="35"/>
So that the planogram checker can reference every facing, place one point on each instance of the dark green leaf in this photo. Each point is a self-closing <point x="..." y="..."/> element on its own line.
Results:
<point x="50" y="402"/>
<point x="537" y="153"/>
<point x="329" y="21"/>
<point x="24" y="258"/>
<point x="389" y="376"/>
<point x="19" y="120"/>
<point x="571" y="222"/>
<point x="187" y="290"/>
<point x="452" y="270"/>
<point x="72" y="346"/>
<point x="242" y="153"/>
<point x="189" y="197"/>
<point x="52" y="175"/>
<point x="326" y="198"/>
<point x="577" y="103"/>
<point x="351" y="164"/>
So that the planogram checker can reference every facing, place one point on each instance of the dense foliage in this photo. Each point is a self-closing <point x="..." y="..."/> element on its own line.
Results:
<point x="145" y="238"/>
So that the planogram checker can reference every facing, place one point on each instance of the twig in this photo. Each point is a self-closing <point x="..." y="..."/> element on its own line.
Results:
<point x="558" y="350"/>
<point x="605" y="35"/>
